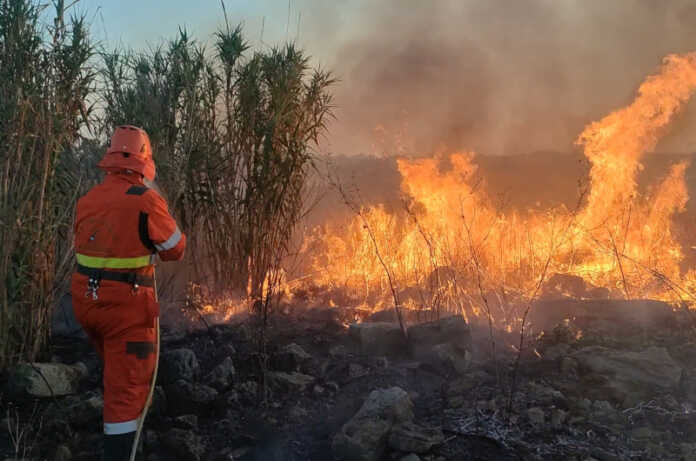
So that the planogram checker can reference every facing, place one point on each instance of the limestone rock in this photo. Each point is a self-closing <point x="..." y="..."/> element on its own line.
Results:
<point x="411" y="457"/>
<point x="63" y="453"/>
<point x="186" y="421"/>
<point x="410" y="437"/>
<point x="536" y="416"/>
<point x="44" y="379"/>
<point x="378" y="338"/>
<point x="558" y="417"/>
<point x="183" y="445"/>
<point x="178" y="364"/>
<point x="450" y="357"/>
<point x="443" y="344"/>
<point x="452" y="329"/>
<point x="365" y="436"/>
<point x="184" y="397"/>
<point x="291" y="358"/>
<point x="84" y="412"/>
<point x="222" y="376"/>
<point x="291" y="382"/>
<point x="629" y="374"/>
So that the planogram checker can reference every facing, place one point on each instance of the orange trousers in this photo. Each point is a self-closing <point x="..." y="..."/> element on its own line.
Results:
<point x="120" y="325"/>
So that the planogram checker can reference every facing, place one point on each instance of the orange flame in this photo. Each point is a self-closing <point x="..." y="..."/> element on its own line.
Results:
<point x="450" y="246"/>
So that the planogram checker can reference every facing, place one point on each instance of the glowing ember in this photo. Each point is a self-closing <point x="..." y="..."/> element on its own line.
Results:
<point x="451" y="248"/>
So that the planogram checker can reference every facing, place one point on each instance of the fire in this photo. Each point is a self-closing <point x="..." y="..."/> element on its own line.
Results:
<point x="450" y="247"/>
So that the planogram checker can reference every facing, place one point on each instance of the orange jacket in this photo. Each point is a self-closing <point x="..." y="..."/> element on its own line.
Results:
<point x="120" y="224"/>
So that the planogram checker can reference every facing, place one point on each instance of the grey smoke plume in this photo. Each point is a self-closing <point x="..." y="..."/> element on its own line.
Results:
<point x="495" y="76"/>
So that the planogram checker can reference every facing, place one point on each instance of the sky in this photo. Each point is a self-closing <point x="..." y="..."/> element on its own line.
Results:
<point x="421" y="76"/>
<point x="134" y="23"/>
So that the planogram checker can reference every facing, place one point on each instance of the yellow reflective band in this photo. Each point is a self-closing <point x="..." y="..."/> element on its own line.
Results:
<point x="96" y="262"/>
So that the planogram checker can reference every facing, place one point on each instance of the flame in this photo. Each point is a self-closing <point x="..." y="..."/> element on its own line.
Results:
<point x="450" y="246"/>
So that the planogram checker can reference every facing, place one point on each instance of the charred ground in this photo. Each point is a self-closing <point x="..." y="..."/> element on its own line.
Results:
<point x="605" y="380"/>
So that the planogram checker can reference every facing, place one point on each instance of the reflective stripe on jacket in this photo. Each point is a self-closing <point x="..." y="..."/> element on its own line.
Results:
<point x="121" y="223"/>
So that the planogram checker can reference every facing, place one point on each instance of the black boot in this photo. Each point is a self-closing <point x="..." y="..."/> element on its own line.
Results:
<point x="118" y="447"/>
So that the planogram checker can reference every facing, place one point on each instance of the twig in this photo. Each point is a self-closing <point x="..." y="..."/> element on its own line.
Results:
<point x="366" y="225"/>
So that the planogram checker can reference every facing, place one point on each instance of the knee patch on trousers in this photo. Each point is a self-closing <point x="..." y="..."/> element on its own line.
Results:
<point x="141" y="349"/>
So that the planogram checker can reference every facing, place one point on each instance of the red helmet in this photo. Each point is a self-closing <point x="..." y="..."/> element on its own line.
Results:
<point x="129" y="150"/>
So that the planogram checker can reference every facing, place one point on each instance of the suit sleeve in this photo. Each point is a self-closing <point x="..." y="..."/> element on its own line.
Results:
<point x="169" y="241"/>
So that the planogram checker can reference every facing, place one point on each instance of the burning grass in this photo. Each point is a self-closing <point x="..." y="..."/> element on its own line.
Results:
<point x="451" y="248"/>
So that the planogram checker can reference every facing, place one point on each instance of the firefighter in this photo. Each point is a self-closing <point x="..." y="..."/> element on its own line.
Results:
<point x="120" y="225"/>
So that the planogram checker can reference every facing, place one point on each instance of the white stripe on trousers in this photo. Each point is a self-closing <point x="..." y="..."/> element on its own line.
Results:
<point x="121" y="428"/>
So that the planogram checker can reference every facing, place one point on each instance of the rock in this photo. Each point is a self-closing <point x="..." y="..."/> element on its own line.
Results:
<point x="380" y="362"/>
<point x="248" y="391"/>
<point x="687" y="385"/>
<point x="290" y="382"/>
<point x="159" y="402"/>
<point x="449" y="357"/>
<point x="603" y="409"/>
<point x="186" y="421"/>
<point x="364" y="437"/>
<point x="229" y="349"/>
<point x="63" y="453"/>
<point x="544" y="395"/>
<point x="44" y="379"/>
<point x="444" y="343"/>
<point x="231" y="397"/>
<point x="378" y="338"/>
<point x="338" y="352"/>
<point x="84" y="412"/>
<point x="558" y="417"/>
<point x="355" y="370"/>
<point x="688" y="451"/>
<point x="630" y="376"/>
<point x="152" y="438"/>
<point x="290" y="358"/>
<point x="536" y="416"/>
<point x="298" y="413"/>
<point x="410" y="437"/>
<point x="222" y="376"/>
<point x="184" y="397"/>
<point x="332" y="386"/>
<point x="556" y="352"/>
<point x="183" y="445"/>
<point x="178" y="364"/>
<point x="452" y="329"/>
<point x="642" y="432"/>
<point x="487" y="405"/>
<point x="565" y="285"/>
<point x="411" y="457"/>
<point x="226" y="454"/>
<point x="569" y="366"/>
<point x="459" y="390"/>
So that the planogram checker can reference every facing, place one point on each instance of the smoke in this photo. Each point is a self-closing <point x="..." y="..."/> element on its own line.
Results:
<point x="495" y="76"/>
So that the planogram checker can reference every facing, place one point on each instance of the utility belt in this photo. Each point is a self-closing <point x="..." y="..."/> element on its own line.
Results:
<point x="97" y="275"/>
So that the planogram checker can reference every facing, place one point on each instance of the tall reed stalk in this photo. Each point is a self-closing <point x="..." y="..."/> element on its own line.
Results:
<point x="232" y="135"/>
<point x="45" y="82"/>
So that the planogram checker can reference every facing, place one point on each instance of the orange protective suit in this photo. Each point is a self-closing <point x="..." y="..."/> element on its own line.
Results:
<point x="119" y="226"/>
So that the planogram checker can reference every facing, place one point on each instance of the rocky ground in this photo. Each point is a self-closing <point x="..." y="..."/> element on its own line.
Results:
<point x="602" y="380"/>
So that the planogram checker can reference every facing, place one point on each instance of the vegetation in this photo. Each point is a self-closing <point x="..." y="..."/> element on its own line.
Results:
<point x="232" y="131"/>
<point x="45" y="80"/>
<point x="231" y="136"/>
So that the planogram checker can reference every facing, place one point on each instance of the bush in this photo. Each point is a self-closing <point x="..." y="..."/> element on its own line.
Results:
<point x="231" y="135"/>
